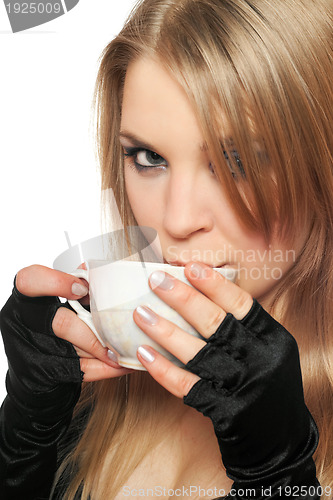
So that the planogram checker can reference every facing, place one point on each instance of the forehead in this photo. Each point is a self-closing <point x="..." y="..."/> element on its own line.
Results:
<point x="156" y="107"/>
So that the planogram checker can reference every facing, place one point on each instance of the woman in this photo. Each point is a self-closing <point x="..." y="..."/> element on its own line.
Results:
<point x="214" y="128"/>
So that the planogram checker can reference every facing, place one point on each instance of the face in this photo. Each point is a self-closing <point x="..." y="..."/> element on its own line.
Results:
<point x="172" y="187"/>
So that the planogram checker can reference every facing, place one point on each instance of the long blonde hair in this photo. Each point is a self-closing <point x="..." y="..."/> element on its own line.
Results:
<point x="268" y="66"/>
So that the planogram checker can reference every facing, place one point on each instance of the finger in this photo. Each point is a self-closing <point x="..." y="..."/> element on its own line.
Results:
<point x="174" y="379"/>
<point x="230" y="297"/>
<point x="86" y="299"/>
<point x="68" y="326"/>
<point x="111" y="355"/>
<point x="95" y="369"/>
<point x="198" y="310"/>
<point x="81" y="353"/>
<point x="40" y="281"/>
<point x="168" y="335"/>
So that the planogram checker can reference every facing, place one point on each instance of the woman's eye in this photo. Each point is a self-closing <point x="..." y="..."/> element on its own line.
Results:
<point x="236" y="162"/>
<point x="148" y="158"/>
<point x="144" y="159"/>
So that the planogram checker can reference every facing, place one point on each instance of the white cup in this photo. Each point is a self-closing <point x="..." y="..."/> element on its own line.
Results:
<point x="116" y="289"/>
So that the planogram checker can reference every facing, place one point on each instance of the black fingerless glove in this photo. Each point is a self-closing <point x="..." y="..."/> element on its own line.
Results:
<point x="43" y="384"/>
<point x="251" y="389"/>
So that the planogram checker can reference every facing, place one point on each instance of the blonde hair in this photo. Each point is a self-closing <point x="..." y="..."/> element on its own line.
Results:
<point x="268" y="66"/>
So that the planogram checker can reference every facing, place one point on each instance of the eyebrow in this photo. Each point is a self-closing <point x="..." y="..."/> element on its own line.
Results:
<point x="137" y="142"/>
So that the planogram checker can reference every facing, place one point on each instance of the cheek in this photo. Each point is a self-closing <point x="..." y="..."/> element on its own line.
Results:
<point x="263" y="267"/>
<point x="144" y="200"/>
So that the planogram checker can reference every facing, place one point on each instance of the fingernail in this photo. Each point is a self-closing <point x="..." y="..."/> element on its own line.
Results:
<point x="79" y="290"/>
<point x="161" y="280"/>
<point x="198" y="271"/>
<point x="147" y="315"/>
<point x="147" y="355"/>
<point x="112" y="356"/>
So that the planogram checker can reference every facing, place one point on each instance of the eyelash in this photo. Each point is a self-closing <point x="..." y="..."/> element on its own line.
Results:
<point x="133" y="152"/>
<point x="238" y="162"/>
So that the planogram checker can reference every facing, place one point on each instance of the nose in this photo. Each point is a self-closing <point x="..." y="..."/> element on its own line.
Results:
<point x="187" y="205"/>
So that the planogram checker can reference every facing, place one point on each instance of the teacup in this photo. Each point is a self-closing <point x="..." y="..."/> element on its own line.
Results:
<point x="116" y="289"/>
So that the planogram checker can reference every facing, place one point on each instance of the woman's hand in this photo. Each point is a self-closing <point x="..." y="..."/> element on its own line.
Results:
<point x="95" y="360"/>
<point x="49" y="350"/>
<point x="244" y="374"/>
<point x="205" y="311"/>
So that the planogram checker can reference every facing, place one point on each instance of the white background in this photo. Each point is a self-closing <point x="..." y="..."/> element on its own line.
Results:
<point x="49" y="180"/>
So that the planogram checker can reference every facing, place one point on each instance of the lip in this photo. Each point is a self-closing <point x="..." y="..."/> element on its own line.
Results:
<point x="183" y="264"/>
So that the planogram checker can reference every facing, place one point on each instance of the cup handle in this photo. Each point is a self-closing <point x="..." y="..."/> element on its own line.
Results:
<point x="82" y="313"/>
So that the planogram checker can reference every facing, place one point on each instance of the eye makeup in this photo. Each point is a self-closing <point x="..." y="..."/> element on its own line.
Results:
<point x="236" y="162"/>
<point x="147" y="160"/>
<point x="144" y="159"/>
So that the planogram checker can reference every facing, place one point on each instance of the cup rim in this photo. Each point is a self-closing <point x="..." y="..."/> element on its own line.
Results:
<point x="229" y="272"/>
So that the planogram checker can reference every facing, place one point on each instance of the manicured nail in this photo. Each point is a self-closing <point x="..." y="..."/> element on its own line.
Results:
<point x="79" y="290"/>
<point x="112" y="356"/>
<point x="147" y="355"/>
<point x="161" y="280"/>
<point x="198" y="271"/>
<point x="147" y="315"/>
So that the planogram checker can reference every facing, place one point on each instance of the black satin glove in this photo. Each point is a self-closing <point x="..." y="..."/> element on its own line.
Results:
<point x="251" y="388"/>
<point x="43" y="384"/>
